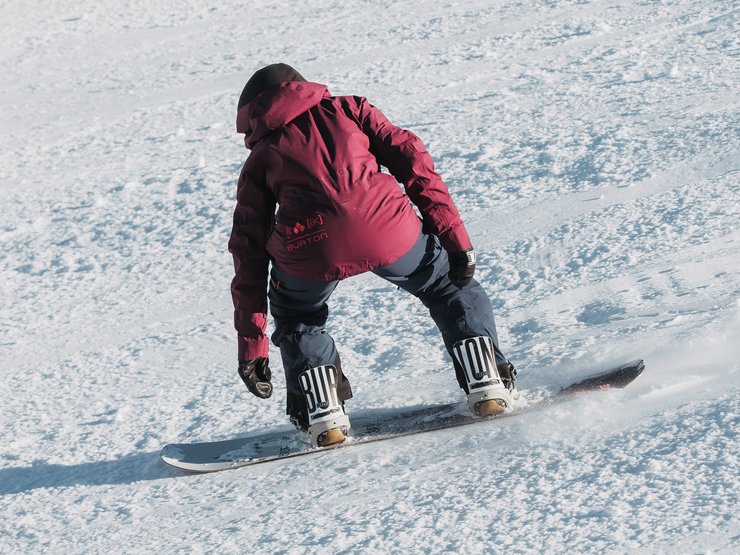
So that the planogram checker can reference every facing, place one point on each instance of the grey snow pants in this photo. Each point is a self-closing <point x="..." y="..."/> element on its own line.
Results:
<point x="299" y="308"/>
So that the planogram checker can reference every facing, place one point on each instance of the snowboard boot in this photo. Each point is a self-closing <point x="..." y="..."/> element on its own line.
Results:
<point x="490" y="386"/>
<point x="327" y="422"/>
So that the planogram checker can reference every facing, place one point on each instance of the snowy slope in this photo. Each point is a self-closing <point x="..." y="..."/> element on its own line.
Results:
<point x="593" y="149"/>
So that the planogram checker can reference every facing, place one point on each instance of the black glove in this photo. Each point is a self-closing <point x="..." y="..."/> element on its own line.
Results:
<point x="256" y="375"/>
<point x="462" y="267"/>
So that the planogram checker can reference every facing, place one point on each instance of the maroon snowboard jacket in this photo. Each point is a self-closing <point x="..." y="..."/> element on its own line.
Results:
<point x="316" y="158"/>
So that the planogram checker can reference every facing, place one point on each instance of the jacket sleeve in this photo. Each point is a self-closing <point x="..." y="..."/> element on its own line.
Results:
<point x="407" y="159"/>
<point x="253" y="220"/>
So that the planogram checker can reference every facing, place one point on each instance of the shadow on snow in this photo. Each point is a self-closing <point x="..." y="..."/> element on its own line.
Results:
<point x="126" y="470"/>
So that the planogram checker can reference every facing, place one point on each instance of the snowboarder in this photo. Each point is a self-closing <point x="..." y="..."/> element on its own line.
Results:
<point x="313" y="203"/>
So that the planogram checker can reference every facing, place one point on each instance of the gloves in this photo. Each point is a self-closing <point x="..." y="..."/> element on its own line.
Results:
<point x="462" y="267"/>
<point x="256" y="376"/>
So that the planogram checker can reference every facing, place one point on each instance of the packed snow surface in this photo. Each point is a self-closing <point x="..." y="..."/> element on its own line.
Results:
<point x="593" y="150"/>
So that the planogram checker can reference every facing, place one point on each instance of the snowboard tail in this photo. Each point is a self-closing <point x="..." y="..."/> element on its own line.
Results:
<point x="285" y="442"/>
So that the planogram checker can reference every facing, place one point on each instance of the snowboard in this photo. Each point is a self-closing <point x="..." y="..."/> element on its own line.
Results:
<point x="371" y="426"/>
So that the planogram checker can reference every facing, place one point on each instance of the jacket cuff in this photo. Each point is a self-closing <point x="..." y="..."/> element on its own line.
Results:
<point x="251" y="348"/>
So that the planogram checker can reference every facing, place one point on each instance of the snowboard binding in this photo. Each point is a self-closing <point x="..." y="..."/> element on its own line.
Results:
<point x="490" y="386"/>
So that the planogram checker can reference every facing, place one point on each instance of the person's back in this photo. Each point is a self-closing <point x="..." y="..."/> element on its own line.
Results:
<point x="338" y="215"/>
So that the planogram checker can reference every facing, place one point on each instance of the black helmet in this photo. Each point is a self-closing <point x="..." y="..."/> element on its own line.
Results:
<point x="267" y="77"/>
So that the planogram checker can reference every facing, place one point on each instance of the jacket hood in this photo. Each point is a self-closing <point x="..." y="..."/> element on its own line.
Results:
<point x="276" y="107"/>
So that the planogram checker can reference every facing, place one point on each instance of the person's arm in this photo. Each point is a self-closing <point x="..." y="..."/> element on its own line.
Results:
<point x="253" y="220"/>
<point x="405" y="156"/>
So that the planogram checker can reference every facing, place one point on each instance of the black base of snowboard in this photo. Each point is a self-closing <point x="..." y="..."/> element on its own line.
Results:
<point x="286" y="442"/>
